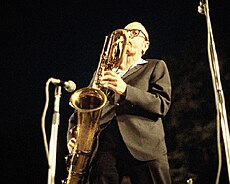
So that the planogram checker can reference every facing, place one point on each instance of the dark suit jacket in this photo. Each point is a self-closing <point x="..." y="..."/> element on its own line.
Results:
<point x="139" y="114"/>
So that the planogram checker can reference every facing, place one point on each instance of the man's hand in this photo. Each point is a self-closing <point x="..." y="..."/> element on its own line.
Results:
<point x="113" y="81"/>
<point x="71" y="144"/>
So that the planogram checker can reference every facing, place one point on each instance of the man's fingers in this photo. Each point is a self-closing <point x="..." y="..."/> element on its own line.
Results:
<point x="71" y="144"/>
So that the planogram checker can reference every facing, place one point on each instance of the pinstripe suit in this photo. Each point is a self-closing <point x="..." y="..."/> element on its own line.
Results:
<point x="139" y="114"/>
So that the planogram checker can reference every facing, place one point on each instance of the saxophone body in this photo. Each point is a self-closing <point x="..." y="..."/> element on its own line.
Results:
<point x="88" y="103"/>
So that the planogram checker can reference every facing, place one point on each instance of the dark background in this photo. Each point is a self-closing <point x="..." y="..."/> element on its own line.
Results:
<point x="63" y="39"/>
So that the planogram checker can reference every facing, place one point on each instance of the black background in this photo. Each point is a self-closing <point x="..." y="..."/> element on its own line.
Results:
<point x="63" y="39"/>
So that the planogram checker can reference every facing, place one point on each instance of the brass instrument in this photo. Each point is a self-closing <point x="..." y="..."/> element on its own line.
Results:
<point x="89" y="102"/>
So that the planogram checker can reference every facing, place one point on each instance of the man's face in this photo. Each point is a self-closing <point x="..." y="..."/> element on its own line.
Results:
<point x="138" y="41"/>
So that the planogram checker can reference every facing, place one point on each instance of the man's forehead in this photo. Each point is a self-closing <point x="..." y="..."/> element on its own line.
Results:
<point x="134" y="26"/>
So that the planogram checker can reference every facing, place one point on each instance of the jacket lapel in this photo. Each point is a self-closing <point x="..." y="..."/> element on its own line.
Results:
<point x="132" y="70"/>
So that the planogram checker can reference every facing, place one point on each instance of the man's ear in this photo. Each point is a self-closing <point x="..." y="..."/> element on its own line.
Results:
<point x="146" y="46"/>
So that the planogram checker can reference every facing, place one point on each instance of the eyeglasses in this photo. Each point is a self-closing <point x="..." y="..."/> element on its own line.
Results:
<point x="136" y="32"/>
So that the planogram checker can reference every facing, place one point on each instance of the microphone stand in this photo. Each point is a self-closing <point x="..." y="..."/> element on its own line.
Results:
<point x="53" y="137"/>
<point x="218" y="91"/>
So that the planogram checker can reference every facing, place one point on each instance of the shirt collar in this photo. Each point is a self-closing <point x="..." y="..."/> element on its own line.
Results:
<point x="139" y="62"/>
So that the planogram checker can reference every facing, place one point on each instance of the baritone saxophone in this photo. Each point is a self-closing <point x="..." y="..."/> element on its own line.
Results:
<point x="88" y="103"/>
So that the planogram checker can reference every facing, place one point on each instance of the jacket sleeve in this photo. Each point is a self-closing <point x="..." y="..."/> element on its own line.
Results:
<point x="157" y="98"/>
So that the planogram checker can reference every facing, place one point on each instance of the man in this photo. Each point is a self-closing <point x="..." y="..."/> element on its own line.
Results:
<point x="132" y="142"/>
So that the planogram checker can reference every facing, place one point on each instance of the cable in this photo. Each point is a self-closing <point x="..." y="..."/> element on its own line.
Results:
<point x="43" y="119"/>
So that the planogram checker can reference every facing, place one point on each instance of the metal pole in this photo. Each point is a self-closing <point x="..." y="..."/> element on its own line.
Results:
<point x="53" y="137"/>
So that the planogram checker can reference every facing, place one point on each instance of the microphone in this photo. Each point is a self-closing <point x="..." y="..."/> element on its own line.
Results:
<point x="200" y="8"/>
<point x="69" y="86"/>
